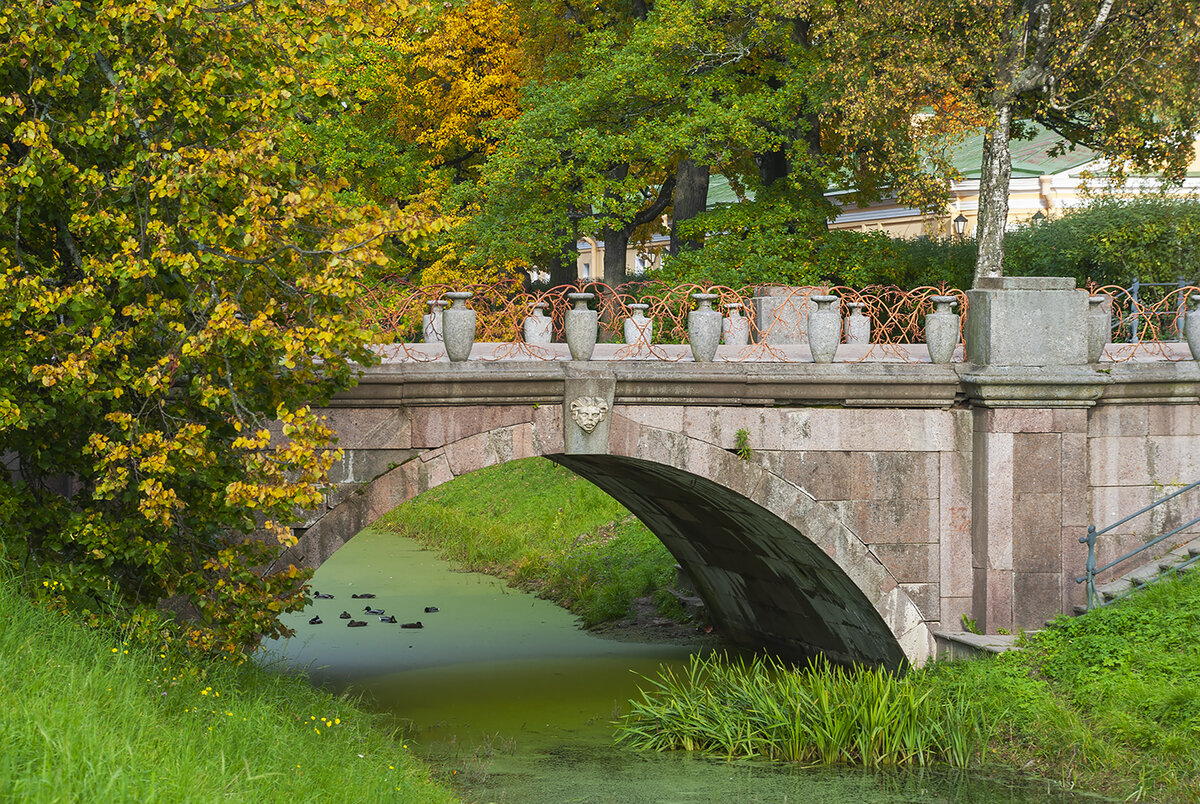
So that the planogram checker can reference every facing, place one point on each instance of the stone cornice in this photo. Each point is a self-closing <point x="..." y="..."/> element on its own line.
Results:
<point x="867" y="384"/>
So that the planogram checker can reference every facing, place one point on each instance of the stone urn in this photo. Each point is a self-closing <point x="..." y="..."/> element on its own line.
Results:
<point x="639" y="329"/>
<point x="704" y="328"/>
<point x="941" y="329"/>
<point x="536" y="327"/>
<point x="824" y="328"/>
<point x="858" y="326"/>
<point x="735" y="328"/>
<point x="1099" y="325"/>
<point x="581" y="325"/>
<point x="431" y="322"/>
<point x="458" y="326"/>
<point x="1191" y="328"/>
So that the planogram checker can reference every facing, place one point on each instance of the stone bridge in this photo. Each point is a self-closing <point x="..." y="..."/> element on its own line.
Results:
<point x="879" y="501"/>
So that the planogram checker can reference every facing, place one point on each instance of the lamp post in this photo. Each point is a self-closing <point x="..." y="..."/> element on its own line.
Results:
<point x="1038" y="217"/>
<point x="960" y="225"/>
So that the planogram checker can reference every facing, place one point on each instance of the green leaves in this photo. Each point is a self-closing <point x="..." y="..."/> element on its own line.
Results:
<point x="170" y="286"/>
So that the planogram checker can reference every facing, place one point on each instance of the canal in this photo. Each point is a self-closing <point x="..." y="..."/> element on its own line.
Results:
<point x="511" y="701"/>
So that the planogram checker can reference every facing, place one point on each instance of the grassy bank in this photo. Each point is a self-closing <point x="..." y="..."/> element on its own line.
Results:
<point x="546" y="530"/>
<point x="88" y="717"/>
<point x="1107" y="702"/>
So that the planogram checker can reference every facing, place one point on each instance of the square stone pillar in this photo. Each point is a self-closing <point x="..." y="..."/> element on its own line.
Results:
<point x="1030" y="385"/>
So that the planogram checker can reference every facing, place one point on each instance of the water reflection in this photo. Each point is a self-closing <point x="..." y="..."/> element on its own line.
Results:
<point x="513" y="702"/>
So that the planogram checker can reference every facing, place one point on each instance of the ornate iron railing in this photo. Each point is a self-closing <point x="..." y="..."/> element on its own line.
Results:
<point x="897" y="316"/>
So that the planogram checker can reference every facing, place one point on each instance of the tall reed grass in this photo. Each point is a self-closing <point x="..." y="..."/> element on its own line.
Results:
<point x="819" y="714"/>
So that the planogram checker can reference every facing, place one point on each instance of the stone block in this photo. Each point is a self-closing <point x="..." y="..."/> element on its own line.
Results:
<point x="364" y="465"/>
<point x="1131" y="461"/>
<point x="1037" y="597"/>
<point x="370" y="428"/>
<point x="997" y="600"/>
<point x="664" y="417"/>
<point x="433" y="470"/>
<point x="953" y="609"/>
<point x="1173" y="419"/>
<point x="1026" y="321"/>
<point x="1020" y="420"/>
<point x="1118" y="420"/>
<point x="1037" y="463"/>
<point x="435" y="427"/>
<point x="954" y="517"/>
<point x="547" y="429"/>
<point x="587" y="411"/>
<point x="1037" y="533"/>
<point x="895" y="521"/>
<point x="927" y="598"/>
<point x="824" y="475"/>
<point x="1071" y="420"/>
<point x="894" y="475"/>
<point x="910" y="563"/>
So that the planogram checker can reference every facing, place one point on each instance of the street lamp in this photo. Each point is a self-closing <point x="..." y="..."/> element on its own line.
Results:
<point x="960" y="225"/>
<point x="1038" y="217"/>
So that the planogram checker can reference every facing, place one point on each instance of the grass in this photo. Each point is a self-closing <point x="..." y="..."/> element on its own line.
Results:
<point x="816" y="715"/>
<point x="1108" y="702"/>
<point x="544" y="529"/>
<point x="89" y="717"/>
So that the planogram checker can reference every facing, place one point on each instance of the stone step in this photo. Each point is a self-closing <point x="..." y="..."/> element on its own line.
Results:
<point x="966" y="645"/>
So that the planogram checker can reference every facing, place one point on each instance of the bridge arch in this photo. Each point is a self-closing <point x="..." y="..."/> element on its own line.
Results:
<point x="776" y="568"/>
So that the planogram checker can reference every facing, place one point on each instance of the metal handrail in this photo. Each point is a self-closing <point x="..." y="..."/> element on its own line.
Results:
<point x="1091" y="570"/>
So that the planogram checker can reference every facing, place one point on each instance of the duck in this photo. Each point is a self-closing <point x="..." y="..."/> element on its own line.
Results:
<point x="363" y="596"/>
<point x="370" y="610"/>
<point x="390" y="619"/>
<point x="345" y="615"/>
<point x="356" y="624"/>
<point x="417" y="624"/>
<point x="431" y="609"/>
<point x="320" y="596"/>
<point x="316" y="620"/>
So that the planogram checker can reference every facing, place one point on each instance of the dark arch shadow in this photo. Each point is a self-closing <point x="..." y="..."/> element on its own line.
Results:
<point x="766" y="585"/>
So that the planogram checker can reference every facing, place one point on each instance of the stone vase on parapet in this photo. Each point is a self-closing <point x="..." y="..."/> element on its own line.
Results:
<point x="639" y="330"/>
<point x="704" y="328"/>
<point x="431" y="322"/>
<point x="824" y="328"/>
<point x="1191" y="328"/>
<point x="735" y="330"/>
<point x="581" y="325"/>
<point x="536" y="327"/>
<point x="458" y="327"/>
<point x="858" y="326"/>
<point x="1099" y="323"/>
<point x="942" y="329"/>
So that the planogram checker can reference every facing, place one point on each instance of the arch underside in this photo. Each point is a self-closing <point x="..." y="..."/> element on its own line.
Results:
<point x="765" y="584"/>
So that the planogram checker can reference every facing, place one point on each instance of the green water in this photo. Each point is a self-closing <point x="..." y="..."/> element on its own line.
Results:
<point x="513" y="703"/>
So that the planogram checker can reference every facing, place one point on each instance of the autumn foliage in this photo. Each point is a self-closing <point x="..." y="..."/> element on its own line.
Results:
<point x="172" y="302"/>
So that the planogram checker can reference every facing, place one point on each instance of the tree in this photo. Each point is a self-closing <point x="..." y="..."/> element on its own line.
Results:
<point x="1119" y="76"/>
<point x="170" y="287"/>
<point x="652" y="105"/>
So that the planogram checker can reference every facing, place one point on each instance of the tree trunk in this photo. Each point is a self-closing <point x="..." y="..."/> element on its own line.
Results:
<point x="616" y="245"/>
<point x="994" y="178"/>
<point x="690" y="199"/>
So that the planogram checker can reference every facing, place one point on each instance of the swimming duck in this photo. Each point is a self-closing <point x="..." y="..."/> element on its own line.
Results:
<point x="430" y="609"/>
<point x="345" y="615"/>
<point x="320" y="596"/>
<point x="363" y="596"/>
<point x="316" y="620"/>
<point x="356" y="624"/>
<point x="390" y="619"/>
<point x="370" y="610"/>
<point x="417" y="624"/>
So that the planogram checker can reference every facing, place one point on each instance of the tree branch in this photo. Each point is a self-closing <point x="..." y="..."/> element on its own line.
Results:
<point x="654" y="210"/>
